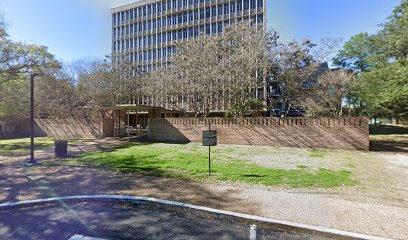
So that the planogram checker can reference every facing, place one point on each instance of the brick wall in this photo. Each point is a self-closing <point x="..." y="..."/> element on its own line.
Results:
<point x="71" y="128"/>
<point x="336" y="133"/>
<point x="16" y="127"/>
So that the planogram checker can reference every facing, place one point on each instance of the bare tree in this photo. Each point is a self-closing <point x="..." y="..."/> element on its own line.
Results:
<point x="296" y="69"/>
<point x="329" y="93"/>
<point x="217" y="71"/>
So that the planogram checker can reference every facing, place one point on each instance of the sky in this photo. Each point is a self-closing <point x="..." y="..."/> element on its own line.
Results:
<point x="77" y="29"/>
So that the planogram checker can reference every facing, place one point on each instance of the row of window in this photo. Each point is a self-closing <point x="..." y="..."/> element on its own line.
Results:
<point x="153" y="25"/>
<point x="137" y="59"/>
<point x="169" y="36"/>
<point x="216" y="10"/>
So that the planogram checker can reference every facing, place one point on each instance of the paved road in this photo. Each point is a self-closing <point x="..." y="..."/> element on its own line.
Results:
<point x="124" y="221"/>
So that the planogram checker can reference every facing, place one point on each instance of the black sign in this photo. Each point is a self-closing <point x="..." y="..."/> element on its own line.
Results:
<point x="210" y="138"/>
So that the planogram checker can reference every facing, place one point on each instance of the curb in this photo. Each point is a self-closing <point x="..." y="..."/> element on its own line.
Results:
<point x="274" y="223"/>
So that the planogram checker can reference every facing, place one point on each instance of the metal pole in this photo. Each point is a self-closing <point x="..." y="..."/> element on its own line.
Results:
<point x="32" y="160"/>
<point x="128" y="127"/>
<point x="209" y="152"/>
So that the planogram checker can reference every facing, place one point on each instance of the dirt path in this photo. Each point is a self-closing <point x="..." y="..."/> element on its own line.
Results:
<point x="314" y="207"/>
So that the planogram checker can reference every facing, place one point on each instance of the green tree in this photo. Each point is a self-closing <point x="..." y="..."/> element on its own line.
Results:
<point x="357" y="53"/>
<point x="17" y="58"/>
<point x="396" y="31"/>
<point x="384" y="90"/>
<point x="381" y="63"/>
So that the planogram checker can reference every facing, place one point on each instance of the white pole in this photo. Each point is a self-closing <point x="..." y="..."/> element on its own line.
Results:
<point x="252" y="235"/>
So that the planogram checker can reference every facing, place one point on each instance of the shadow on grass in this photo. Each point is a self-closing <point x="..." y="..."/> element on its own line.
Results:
<point x="389" y="138"/>
<point x="387" y="129"/>
<point x="389" y="146"/>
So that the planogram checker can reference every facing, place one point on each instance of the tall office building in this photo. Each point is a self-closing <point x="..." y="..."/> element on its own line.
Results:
<point x="145" y="31"/>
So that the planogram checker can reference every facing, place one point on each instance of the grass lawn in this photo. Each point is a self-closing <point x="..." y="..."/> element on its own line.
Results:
<point x="190" y="162"/>
<point x="22" y="145"/>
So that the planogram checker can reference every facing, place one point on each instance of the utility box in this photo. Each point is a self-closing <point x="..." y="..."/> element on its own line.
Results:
<point x="61" y="148"/>
<point x="210" y="138"/>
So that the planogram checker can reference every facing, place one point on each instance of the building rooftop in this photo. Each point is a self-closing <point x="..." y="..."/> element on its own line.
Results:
<point x="137" y="3"/>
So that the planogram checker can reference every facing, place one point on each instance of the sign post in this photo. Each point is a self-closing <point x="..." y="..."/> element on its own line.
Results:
<point x="209" y="139"/>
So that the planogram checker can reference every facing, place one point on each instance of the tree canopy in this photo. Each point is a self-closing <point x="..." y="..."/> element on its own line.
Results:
<point x="380" y="60"/>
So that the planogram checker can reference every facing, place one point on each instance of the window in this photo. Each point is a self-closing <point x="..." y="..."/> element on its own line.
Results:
<point x="207" y="29"/>
<point x="239" y="6"/>
<point x="175" y="20"/>
<point x="220" y="27"/>
<point x="184" y="17"/>
<point x="260" y="18"/>
<point x="190" y="16"/>
<point x="253" y="4"/>
<point x="260" y="3"/>
<point x="180" y="18"/>
<point x="190" y="32"/>
<point x="185" y="33"/>
<point x="214" y="11"/>
<point x="196" y="15"/>
<point x="202" y="14"/>
<point x="246" y="5"/>
<point x="214" y="28"/>
<point x="232" y="7"/>
<point x="220" y="10"/>
<point x="207" y="13"/>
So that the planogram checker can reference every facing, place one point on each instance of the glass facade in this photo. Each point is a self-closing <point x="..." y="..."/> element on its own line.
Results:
<point x="145" y="32"/>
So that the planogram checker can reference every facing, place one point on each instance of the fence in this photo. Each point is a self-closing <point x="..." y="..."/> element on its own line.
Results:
<point x="337" y="133"/>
